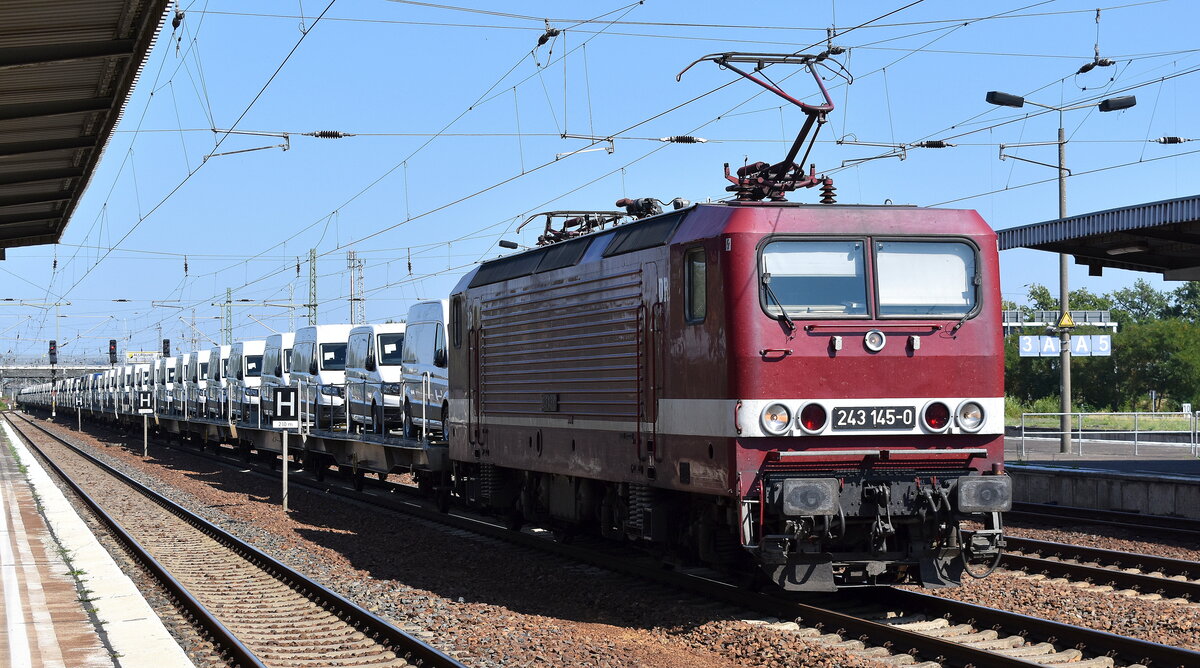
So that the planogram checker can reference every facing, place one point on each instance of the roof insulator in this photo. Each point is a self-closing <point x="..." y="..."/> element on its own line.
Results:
<point x="684" y="139"/>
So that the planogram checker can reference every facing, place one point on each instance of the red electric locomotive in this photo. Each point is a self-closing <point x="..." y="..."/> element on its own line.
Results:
<point x="814" y="388"/>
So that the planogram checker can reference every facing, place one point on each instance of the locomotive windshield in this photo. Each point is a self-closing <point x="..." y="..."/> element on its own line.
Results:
<point x="816" y="278"/>
<point x="827" y="278"/>
<point x="925" y="278"/>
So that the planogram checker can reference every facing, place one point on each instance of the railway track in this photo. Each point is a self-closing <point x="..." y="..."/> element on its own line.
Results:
<point x="1143" y="573"/>
<point x="875" y="623"/>
<point x="258" y="611"/>
<point x="1179" y="527"/>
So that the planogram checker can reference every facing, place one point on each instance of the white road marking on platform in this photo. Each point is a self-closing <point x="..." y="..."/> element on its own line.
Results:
<point x="14" y="610"/>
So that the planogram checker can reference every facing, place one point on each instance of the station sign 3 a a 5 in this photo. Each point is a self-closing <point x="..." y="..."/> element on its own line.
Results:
<point x="1084" y="345"/>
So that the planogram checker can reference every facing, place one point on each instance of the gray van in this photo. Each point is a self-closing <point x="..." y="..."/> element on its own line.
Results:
<point x="425" y="380"/>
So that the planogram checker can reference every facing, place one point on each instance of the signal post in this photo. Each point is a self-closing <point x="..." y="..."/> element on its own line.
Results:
<point x="285" y="418"/>
<point x="145" y="407"/>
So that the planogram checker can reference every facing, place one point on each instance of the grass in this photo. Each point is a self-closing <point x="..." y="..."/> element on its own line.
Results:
<point x="1112" y="422"/>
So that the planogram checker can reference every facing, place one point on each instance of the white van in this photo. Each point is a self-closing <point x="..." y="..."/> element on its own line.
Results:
<point x="215" y="404"/>
<point x="164" y="384"/>
<point x="277" y="365"/>
<point x="425" y="380"/>
<point x="373" y="374"/>
<point x="244" y="378"/>
<point x="319" y="370"/>
<point x="126" y="387"/>
<point x="196" y="380"/>
<point x="141" y="383"/>
<point x="181" y="385"/>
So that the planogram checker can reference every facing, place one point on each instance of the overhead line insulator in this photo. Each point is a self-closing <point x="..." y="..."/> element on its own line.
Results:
<point x="328" y="134"/>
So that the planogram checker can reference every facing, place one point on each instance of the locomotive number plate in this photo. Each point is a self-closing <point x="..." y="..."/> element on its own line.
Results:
<point x="875" y="417"/>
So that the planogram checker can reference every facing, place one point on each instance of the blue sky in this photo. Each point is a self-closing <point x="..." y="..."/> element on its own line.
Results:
<point x="456" y="121"/>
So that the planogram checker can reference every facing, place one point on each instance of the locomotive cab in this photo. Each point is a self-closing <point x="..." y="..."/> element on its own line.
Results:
<point x="869" y="376"/>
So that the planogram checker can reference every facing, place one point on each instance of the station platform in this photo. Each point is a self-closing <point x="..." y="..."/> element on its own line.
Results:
<point x="1117" y="456"/>
<point x="1157" y="480"/>
<point x="48" y="618"/>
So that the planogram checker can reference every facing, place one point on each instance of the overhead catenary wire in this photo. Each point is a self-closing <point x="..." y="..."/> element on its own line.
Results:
<point x="764" y="140"/>
<point x="657" y="115"/>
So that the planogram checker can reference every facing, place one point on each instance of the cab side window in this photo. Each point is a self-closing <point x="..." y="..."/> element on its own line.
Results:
<point x="695" y="285"/>
<point x="456" y="321"/>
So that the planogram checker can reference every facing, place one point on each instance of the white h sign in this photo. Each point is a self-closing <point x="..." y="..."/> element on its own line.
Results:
<point x="285" y="409"/>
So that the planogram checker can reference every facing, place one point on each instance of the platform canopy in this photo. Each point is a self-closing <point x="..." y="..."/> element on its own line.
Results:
<point x="1161" y="237"/>
<point x="66" y="70"/>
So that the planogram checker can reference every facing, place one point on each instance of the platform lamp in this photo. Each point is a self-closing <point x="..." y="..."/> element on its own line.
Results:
<point x="1110" y="104"/>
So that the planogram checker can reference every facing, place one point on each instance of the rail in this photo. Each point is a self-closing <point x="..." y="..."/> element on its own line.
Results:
<point x="1139" y="426"/>
<point x="406" y="646"/>
<point x="842" y="617"/>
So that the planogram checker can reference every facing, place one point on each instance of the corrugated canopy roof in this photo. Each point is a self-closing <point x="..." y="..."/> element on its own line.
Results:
<point x="1161" y="237"/>
<point x="66" y="70"/>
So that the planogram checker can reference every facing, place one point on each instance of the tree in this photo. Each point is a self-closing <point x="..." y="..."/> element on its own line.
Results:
<point x="1139" y="304"/>
<point x="1161" y="355"/>
<point x="1041" y="299"/>
<point x="1185" y="302"/>
<point x="1083" y="300"/>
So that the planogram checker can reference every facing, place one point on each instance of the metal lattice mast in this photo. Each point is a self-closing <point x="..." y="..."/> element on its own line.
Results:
<point x="193" y="339"/>
<point x="358" y="300"/>
<point x="312" y="286"/>
<point x="227" y="319"/>
<point x="292" y="310"/>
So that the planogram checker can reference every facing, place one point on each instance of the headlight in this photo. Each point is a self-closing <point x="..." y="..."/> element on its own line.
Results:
<point x="252" y="391"/>
<point x="392" y="388"/>
<point x="874" y="340"/>
<point x="810" y="496"/>
<point x="984" y="493"/>
<point x="970" y="416"/>
<point x="776" y="419"/>
<point x="332" y="390"/>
